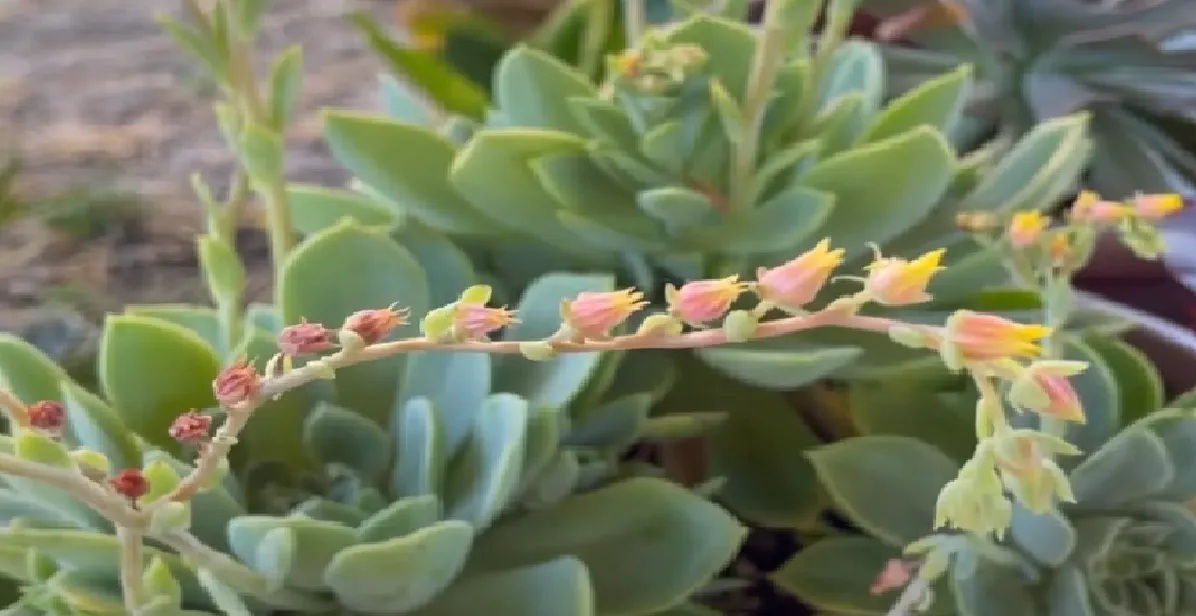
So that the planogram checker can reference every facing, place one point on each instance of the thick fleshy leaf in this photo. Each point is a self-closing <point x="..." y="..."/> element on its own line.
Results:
<point x="532" y="89"/>
<point x="1138" y="381"/>
<point x="836" y="575"/>
<point x="152" y="371"/>
<point x="1036" y="172"/>
<point x="211" y="509"/>
<point x="1131" y="466"/>
<point x="316" y="285"/>
<point x="937" y="103"/>
<point x="647" y="543"/>
<point x="315" y="208"/>
<point x="893" y="501"/>
<point x="1047" y="537"/>
<point x="92" y="424"/>
<point x="419" y="439"/>
<point x="1068" y="593"/>
<point x="729" y="46"/>
<point x="200" y="319"/>
<point x="408" y="164"/>
<point x="494" y="173"/>
<point x="26" y="372"/>
<point x="456" y="384"/>
<point x="27" y="492"/>
<point x="777" y="369"/>
<point x="554" y="383"/>
<point x="484" y="477"/>
<point x="401" y="102"/>
<point x="614" y="426"/>
<point x="316" y="543"/>
<point x="974" y="593"/>
<point x="1177" y="429"/>
<point x="337" y="436"/>
<point x="558" y="587"/>
<point x="1100" y="396"/>
<point x="401" y="574"/>
<point x="856" y="68"/>
<point x="400" y="518"/>
<point x="913" y="171"/>
<point x="447" y="267"/>
<point x="780" y="224"/>
<point x="899" y="408"/>
<point x="276" y="432"/>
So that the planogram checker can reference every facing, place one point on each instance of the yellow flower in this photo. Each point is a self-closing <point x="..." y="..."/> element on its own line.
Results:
<point x="1090" y="207"/>
<point x="1026" y="227"/>
<point x="975" y="337"/>
<point x="794" y="284"/>
<point x="897" y="282"/>
<point x="1157" y="206"/>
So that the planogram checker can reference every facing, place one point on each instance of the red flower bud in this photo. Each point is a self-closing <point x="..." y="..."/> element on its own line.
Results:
<point x="237" y="384"/>
<point x="190" y="427"/>
<point x="304" y="338"/>
<point x="130" y="483"/>
<point x="47" y="415"/>
<point x="373" y="325"/>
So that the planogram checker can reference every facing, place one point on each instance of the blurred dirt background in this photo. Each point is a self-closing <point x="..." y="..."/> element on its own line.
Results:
<point x="104" y="121"/>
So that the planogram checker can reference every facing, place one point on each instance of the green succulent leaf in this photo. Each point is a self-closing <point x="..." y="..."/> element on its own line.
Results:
<point x="26" y="372"/>
<point x="541" y="443"/>
<point x="856" y="68"/>
<point x="779" y="225"/>
<point x="557" y="382"/>
<point x="447" y="267"/>
<point x="334" y="435"/>
<point x="456" y="384"/>
<point x="316" y="543"/>
<point x="937" y="103"/>
<point x="605" y="121"/>
<point x="316" y="208"/>
<point x="1036" y="171"/>
<point x="200" y="319"/>
<point x="401" y="574"/>
<point x="485" y="476"/>
<point x="227" y="599"/>
<point x="777" y="369"/>
<point x="1047" y="537"/>
<point x="613" y="426"/>
<point x="276" y="432"/>
<point x="557" y="587"/>
<point x="840" y="124"/>
<point x="212" y="508"/>
<point x="401" y="103"/>
<point x="533" y="89"/>
<point x="894" y="502"/>
<point x="419" y="437"/>
<point x="1068" y="593"/>
<point x="913" y="171"/>
<point x="677" y="209"/>
<point x="275" y="556"/>
<point x="627" y="534"/>
<point x="1131" y="466"/>
<point x="95" y="426"/>
<point x="1177" y="429"/>
<point x="729" y="46"/>
<point x="401" y="518"/>
<point x="974" y="594"/>
<point x="1100" y="397"/>
<point x="33" y="495"/>
<point x="148" y="391"/>
<point x="1138" y="382"/>
<point x="915" y="410"/>
<point x="368" y="147"/>
<point x="836" y="575"/>
<point x="315" y="286"/>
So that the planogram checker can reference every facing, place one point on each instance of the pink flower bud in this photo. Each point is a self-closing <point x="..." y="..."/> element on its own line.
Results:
<point x="896" y="574"/>
<point x="47" y="415"/>
<point x="975" y="337"/>
<point x="702" y="301"/>
<point x="1157" y="206"/>
<point x="190" y="427"/>
<point x="1089" y="207"/>
<point x="792" y="285"/>
<point x="1044" y="388"/>
<point x="304" y="338"/>
<point x="373" y="325"/>
<point x="237" y="384"/>
<point x="897" y="282"/>
<point x="592" y="315"/>
<point x="476" y="321"/>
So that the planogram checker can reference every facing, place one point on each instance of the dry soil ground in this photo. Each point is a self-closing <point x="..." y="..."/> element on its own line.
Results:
<point x="96" y="100"/>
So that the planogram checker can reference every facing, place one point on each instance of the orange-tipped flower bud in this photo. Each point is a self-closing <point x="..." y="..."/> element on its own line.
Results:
<point x="373" y="325"/>
<point x="792" y="285"/>
<point x="897" y="282"/>
<point x="593" y="315"/>
<point x="1044" y="388"/>
<point x="702" y="301"/>
<point x="1089" y="207"/>
<point x="304" y="338"/>
<point x="1026" y="227"/>
<point x="1157" y="206"/>
<point x="977" y="337"/>
<point x="475" y="321"/>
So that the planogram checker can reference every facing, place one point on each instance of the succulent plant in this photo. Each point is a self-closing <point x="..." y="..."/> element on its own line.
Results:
<point x="1130" y="64"/>
<point x="435" y="483"/>
<point x="1123" y="548"/>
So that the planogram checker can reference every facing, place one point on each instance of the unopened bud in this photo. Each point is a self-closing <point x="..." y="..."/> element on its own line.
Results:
<point x="740" y="326"/>
<point x="592" y="315"/>
<point x="537" y="350"/>
<point x="190" y="427"/>
<point x="897" y="282"/>
<point x="373" y="325"/>
<point x="304" y="339"/>
<point x="701" y="301"/>
<point x="790" y="286"/>
<point x="477" y="322"/>
<point x="48" y="415"/>
<point x="660" y="325"/>
<point x="93" y="464"/>
<point x="237" y="384"/>
<point x="130" y="483"/>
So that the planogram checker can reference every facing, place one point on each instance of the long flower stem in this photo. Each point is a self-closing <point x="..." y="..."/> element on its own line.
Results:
<point x="108" y="504"/>
<point x="132" y="567"/>
<point x="17" y="412"/>
<point x="635" y="20"/>
<point x="770" y="51"/>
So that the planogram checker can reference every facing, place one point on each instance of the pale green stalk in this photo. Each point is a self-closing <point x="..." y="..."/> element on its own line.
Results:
<point x="770" y="52"/>
<point x="132" y="567"/>
<point x="635" y="21"/>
